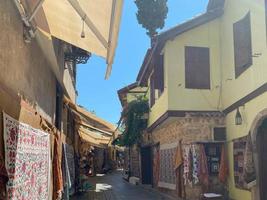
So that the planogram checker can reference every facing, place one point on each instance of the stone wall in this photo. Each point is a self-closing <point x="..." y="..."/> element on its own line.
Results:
<point x="135" y="162"/>
<point x="194" y="127"/>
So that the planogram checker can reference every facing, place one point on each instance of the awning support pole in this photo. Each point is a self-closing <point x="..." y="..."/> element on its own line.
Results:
<point x="36" y="9"/>
<point x="75" y="4"/>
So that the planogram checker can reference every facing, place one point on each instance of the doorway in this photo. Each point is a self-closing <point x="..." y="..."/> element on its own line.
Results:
<point x="146" y="165"/>
<point x="262" y="158"/>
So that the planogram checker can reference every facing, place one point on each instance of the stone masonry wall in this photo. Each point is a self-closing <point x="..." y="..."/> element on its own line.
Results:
<point x="193" y="127"/>
<point x="135" y="163"/>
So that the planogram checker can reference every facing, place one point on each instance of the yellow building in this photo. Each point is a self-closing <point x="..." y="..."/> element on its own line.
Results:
<point x="204" y="75"/>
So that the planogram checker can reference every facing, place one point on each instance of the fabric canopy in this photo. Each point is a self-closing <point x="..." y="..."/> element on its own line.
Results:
<point x="64" y="20"/>
<point x="93" y="137"/>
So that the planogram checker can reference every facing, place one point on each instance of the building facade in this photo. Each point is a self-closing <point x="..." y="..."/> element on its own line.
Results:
<point x="203" y="76"/>
<point x="37" y="83"/>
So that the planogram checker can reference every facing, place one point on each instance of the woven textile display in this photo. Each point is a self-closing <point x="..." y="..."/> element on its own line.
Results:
<point x="239" y="157"/>
<point x="27" y="152"/>
<point x="71" y="166"/>
<point x="167" y="174"/>
<point x="244" y="170"/>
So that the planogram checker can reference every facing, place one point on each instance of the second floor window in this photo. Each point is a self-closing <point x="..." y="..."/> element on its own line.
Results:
<point x="59" y="104"/>
<point x="152" y="90"/>
<point x="242" y="45"/>
<point x="159" y="74"/>
<point x="197" y="67"/>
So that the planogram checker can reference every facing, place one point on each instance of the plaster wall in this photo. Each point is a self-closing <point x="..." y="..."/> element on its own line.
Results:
<point x="23" y="67"/>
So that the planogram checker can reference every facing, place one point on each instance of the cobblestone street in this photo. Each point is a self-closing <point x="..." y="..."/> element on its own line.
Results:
<point x="113" y="187"/>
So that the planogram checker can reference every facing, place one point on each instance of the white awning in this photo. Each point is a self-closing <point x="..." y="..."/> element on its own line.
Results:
<point x="93" y="138"/>
<point x="64" y="20"/>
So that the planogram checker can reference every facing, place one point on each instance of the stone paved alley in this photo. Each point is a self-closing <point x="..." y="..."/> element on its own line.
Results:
<point x="113" y="187"/>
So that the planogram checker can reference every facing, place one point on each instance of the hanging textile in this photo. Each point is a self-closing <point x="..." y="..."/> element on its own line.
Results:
<point x="65" y="174"/>
<point x="179" y="170"/>
<point x="57" y="171"/>
<point x="167" y="177"/>
<point x="223" y="171"/>
<point x="239" y="157"/>
<point x="190" y="166"/>
<point x="3" y="178"/>
<point x="178" y="156"/>
<point x="187" y="164"/>
<point x="249" y="167"/>
<point x="71" y="166"/>
<point x="195" y="155"/>
<point x="27" y="153"/>
<point x="203" y="167"/>
<point x="68" y="170"/>
<point x="156" y="164"/>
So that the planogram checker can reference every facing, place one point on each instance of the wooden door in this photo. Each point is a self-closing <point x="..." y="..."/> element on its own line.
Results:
<point x="146" y="164"/>
<point x="262" y="152"/>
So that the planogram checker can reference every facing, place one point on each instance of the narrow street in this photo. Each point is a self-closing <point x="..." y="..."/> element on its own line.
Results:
<point x="112" y="187"/>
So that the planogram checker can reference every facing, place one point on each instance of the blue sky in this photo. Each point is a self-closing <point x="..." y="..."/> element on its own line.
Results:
<point x="99" y="95"/>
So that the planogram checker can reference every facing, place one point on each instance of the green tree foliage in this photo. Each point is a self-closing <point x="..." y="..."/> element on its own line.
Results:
<point x="135" y="122"/>
<point x="151" y="15"/>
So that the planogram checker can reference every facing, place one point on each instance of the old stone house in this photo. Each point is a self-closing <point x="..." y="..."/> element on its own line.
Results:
<point x="206" y="84"/>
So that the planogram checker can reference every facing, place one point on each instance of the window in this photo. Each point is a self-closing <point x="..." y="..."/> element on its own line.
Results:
<point x="242" y="45"/>
<point x="197" y="67"/>
<point x="159" y="74"/>
<point x="152" y="90"/>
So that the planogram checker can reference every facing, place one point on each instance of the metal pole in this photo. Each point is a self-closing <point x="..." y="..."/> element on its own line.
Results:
<point x="36" y="9"/>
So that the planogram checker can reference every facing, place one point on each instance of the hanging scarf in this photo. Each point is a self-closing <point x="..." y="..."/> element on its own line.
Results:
<point x="186" y="158"/>
<point x="249" y="168"/>
<point x="190" y="167"/>
<point x="57" y="170"/>
<point x="195" y="155"/>
<point x="203" y="173"/>
<point x="178" y="157"/>
<point x="3" y="178"/>
<point x="223" y="171"/>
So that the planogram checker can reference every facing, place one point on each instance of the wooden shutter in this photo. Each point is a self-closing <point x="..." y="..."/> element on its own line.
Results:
<point x="159" y="73"/>
<point x="197" y="68"/>
<point x="242" y="45"/>
<point x="152" y="90"/>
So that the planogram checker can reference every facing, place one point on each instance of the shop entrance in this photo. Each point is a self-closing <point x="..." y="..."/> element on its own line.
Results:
<point x="146" y="165"/>
<point x="262" y="157"/>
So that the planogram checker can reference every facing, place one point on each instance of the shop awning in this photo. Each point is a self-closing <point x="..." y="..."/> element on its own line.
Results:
<point x="64" y="19"/>
<point x="93" y="138"/>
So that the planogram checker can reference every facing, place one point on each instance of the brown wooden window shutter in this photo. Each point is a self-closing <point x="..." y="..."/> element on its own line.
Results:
<point x="197" y="67"/>
<point x="159" y="73"/>
<point x="242" y="45"/>
<point x="152" y="90"/>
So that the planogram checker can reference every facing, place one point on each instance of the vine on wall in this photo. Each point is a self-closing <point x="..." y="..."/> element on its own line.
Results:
<point x="135" y="121"/>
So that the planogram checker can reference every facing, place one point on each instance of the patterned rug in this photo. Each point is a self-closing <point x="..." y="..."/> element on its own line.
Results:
<point x="27" y="152"/>
<point x="239" y="158"/>
<point x="167" y="174"/>
<point x="71" y="166"/>
<point x="244" y="168"/>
